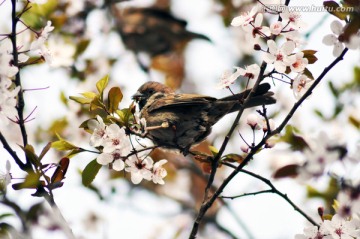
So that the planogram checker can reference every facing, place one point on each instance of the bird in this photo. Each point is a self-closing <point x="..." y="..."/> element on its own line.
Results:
<point x="151" y="30"/>
<point x="179" y="121"/>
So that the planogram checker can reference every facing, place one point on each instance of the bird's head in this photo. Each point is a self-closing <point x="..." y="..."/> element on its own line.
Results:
<point x="147" y="90"/>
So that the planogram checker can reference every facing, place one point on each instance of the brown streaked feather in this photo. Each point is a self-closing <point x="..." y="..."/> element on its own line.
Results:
<point x="180" y="100"/>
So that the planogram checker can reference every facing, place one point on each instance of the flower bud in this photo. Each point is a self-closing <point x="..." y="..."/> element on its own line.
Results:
<point x="271" y="125"/>
<point x="257" y="47"/>
<point x="270" y="143"/>
<point x="252" y="120"/>
<point x="244" y="148"/>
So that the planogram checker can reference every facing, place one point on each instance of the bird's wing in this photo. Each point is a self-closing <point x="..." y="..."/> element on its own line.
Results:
<point x="180" y="100"/>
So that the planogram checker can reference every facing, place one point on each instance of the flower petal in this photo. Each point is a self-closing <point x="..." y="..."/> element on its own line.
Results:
<point x="336" y="27"/>
<point x="268" y="58"/>
<point x="338" y="48"/>
<point x="104" y="159"/>
<point x="330" y="39"/>
<point x="272" y="47"/>
<point x="118" y="165"/>
<point x="288" y="47"/>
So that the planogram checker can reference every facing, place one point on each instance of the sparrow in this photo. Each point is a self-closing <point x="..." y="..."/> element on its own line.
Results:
<point x="179" y="121"/>
<point x="151" y="30"/>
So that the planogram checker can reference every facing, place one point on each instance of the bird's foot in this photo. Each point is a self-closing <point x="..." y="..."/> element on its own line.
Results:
<point x="162" y="126"/>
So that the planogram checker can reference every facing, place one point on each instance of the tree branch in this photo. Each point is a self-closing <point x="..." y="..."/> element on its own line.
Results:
<point x="209" y="202"/>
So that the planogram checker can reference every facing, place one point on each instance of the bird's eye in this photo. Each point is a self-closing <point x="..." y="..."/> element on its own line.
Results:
<point x="151" y="92"/>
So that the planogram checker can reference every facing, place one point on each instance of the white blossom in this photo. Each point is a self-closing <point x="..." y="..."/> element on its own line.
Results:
<point x="43" y="36"/>
<point x="139" y="168"/>
<point x="61" y="53"/>
<point x="333" y="39"/>
<point x="159" y="172"/>
<point x="244" y="19"/>
<point x="312" y="232"/>
<point x="300" y="63"/>
<point x="276" y="27"/>
<point x="348" y="205"/>
<point x="300" y="85"/>
<point x="293" y="19"/>
<point x="99" y="134"/>
<point x="294" y="36"/>
<point x="114" y="157"/>
<point x="257" y="29"/>
<point x="116" y="139"/>
<point x="280" y="57"/>
<point x="340" y="229"/>
<point x="318" y="157"/>
<point x="8" y="103"/>
<point x="6" y="67"/>
<point x="5" y="178"/>
<point x="229" y="78"/>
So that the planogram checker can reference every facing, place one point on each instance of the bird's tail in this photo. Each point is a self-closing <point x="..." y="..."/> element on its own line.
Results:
<point x="262" y="96"/>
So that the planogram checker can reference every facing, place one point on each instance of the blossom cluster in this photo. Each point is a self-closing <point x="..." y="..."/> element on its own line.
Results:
<point x="321" y="153"/>
<point x="336" y="40"/>
<point x="8" y="100"/>
<point x="336" y="228"/>
<point x="283" y="58"/>
<point x="116" y="150"/>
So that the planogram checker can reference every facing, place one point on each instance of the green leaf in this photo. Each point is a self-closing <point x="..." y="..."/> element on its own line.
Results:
<point x="89" y="95"/>
<point x="97" y="103"/>
<point x="115" y="96"/>
<point x="233" y="158"/>
<point x="213" y="150"/>
<point x="74" y="152"/>
<point x="355" y="122"/>
<point x="90" y="172"/>
<point x="332" y="7"/>
<point x="334" y="91"/>
<point x="30" y="154"/>
<point x="63" y="98"/>
<point x="80" y="100"/>
<point x="308" y="73"/>
<point x="31" y="181"/>
<point x="81" y="46"/>
<point x="101" y="85"/>
<point x="124" y="116"/>
<point x="45" y="150"/>
<point x="357" y="75"/>
<point x="295" y="141"/>
<point x="6" y="215"/>
<point x="310" y="55"/>
<point x="62" y="144"/>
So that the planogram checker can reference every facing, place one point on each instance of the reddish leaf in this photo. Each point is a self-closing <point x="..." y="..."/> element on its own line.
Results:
<point x="206" y="167"/>
<point x="310" y="55"/>
<point x="287" y="171"/>
<point x="60" y="171"/>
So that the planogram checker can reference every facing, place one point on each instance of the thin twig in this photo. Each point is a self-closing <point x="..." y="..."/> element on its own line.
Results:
<point x="209" y="202"/>
<point x="272" y="189"/>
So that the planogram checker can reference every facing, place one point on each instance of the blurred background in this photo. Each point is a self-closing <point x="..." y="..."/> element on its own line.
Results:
<point x="186" y="45"/>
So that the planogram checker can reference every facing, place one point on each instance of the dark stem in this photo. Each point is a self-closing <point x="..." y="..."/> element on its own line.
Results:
<point x="272" y="189"/>
<point x="21" y="103"/>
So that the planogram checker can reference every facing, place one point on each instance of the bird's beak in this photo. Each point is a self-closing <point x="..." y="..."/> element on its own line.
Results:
<point x="137" y="96"/>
